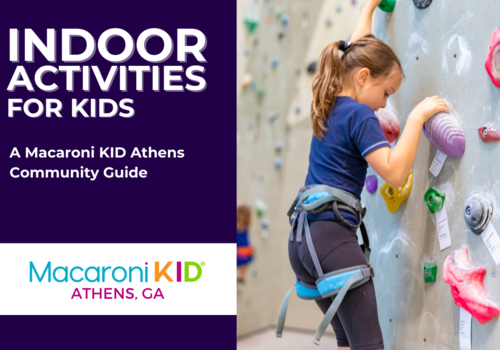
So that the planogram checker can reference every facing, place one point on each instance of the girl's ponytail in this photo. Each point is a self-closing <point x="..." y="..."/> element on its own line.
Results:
<point x="326" y="85"/>
<point x="367" y="52"/>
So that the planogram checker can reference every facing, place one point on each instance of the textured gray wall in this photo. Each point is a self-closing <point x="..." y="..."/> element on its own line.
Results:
<point x="413" y="314"/>
<point x="409" y="310"/>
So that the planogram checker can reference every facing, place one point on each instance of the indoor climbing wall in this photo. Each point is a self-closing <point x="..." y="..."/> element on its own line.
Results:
<point x="273" y="38"/>
<point x="443" y="49"/>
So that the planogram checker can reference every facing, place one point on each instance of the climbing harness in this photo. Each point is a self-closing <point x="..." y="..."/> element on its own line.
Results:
<point x="315" y="199"/>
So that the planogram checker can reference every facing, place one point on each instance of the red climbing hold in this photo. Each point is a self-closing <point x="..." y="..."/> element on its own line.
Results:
<point x="489" y="133"/>
<point x="493" y="59"/>
<point x="389" y="124"/>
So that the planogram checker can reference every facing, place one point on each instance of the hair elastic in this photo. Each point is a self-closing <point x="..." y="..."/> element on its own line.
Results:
<point x="345" y="46"/>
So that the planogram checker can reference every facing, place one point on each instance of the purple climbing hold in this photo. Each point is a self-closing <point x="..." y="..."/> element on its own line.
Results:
<point x="371" y="183"/>
<point x="446" y="134"/>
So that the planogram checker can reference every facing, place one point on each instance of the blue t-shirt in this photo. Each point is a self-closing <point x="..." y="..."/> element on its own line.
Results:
<point x="242" y="238"/>
<point x="339" y="159"/>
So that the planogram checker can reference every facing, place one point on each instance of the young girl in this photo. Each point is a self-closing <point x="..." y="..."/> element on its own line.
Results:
<point x="243" y="249"/>
<point x="354" y="80"/>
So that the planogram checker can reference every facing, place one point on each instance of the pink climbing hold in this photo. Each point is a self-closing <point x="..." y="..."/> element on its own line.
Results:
<point x="489" y="133"/>
<point x="389" y="124"/>
<point x="466" y="283"/>
<point x="493" y="59"/>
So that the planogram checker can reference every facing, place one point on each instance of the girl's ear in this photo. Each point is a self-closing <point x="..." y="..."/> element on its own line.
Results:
<point x="363" y="76"/>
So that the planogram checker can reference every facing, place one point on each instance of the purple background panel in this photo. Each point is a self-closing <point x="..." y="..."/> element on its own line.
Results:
<point x="183" y="200"/>
<point x="188" y="200"/>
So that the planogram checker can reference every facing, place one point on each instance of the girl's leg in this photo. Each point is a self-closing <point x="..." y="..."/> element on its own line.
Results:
<point x="243" y="269"/>
<point x="340" y="334"/>
<point x="356" y="322"/>
<point x="359" y="316"/>
<point x="296" y="256"/>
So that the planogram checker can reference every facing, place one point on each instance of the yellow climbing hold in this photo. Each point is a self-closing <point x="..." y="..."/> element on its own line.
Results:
<point x="394" y="196"/>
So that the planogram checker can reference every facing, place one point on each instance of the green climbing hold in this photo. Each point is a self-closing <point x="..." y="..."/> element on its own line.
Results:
<point x="261" y="92"/>
<point x="251" y="20"/>
<point x="430" y="272"/>
<point x="278" y="12"/>
<point x="387" y="5"/>
<point x="434" y="199"/>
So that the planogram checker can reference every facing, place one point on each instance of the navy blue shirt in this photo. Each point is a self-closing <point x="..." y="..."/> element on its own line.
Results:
<point x="339" y="159"/>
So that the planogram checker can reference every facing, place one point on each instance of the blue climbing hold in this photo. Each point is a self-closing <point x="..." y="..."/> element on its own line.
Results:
<point x="285" y="19"/>
<point x="278" y="162"/>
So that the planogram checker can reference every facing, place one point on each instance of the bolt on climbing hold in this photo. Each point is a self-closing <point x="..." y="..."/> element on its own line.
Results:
<point x="278" y="146"/>
<point x="389" y="123"/>
<point x="278" y="162"/>
<point x="265" y="227"/>
<point x="489" y="133"/>
<point x="274" y="62"/>
<point x="247" y="80"/>
<point x="492" y="63"/>
<point x="422" y="4"/>
<point x="246" y="53"/>
<point x="251" y="20"/>
<point x="387" y="5"/>
<point x="272" y="116"/>
<point x="430" y="272"/>
<point x="285" y="19"/>
<point x="478" y="211"/>
<point x="260" y="207"/>
<point x="434" y="199"/>
<point x="339" y="9"/>
<point x="445" y="132"/>
<point x="371" y="183"/>
<point x="311" y="67"/>
<point x="394" y="196"/>
<point x="466" y="284"/>
<point x="329" y="22"/>
<point x="261" y="92"/>
<point x="281" y="33"/>
<point x="265" y="223"/>
<point x="278" y="12"/>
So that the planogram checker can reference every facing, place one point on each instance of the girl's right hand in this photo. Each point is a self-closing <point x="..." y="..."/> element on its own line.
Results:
<point x="373" y="3"/>
<point x="428" y="107"/>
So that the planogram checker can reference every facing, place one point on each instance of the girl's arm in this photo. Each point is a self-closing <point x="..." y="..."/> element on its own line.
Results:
<point x="394" y="165"/>
<point x="364" y="25"/>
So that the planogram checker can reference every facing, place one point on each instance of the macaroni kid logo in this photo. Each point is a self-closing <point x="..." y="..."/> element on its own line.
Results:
<point x="119" y="274"/>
